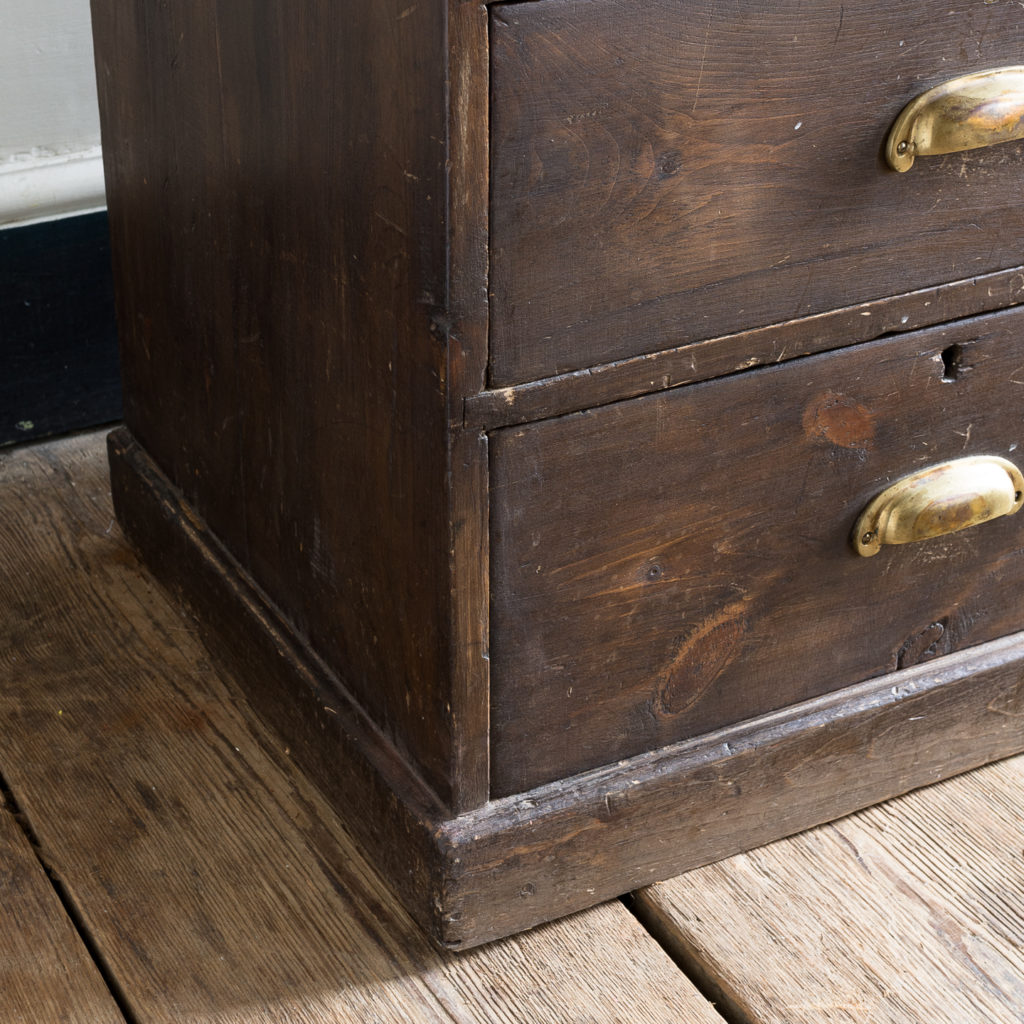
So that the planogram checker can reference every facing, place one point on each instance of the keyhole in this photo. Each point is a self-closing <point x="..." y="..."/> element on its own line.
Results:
<point x="951" y="362"/>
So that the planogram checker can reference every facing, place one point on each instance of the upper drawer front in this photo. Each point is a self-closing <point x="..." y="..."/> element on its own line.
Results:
<point x="672" y="564"/>
<point x="668" y="171"/>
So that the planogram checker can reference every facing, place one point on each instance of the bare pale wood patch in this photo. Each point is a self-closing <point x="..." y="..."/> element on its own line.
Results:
<point x="910" y="911"/>
<point x="214" y="880"/>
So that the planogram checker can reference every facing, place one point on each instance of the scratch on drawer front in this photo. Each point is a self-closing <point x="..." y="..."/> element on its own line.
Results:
<point x="703" y="59"/>
<point x="839" y="28"/>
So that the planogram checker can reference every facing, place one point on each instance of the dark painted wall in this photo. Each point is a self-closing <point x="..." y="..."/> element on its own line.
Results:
<point x="58" y="344"/>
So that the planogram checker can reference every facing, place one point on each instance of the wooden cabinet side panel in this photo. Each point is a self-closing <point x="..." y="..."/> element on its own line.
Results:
<point x="277" y="188"/>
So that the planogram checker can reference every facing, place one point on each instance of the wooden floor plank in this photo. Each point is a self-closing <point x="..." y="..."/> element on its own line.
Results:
<point x="216" y="883"/>
<point x="907" y="912"/>
<point x="46" y="973"/>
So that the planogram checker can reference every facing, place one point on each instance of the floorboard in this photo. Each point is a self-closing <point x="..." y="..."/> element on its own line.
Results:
<point x="215" y="885"/>
<point x="213" y="881"/>
<point x="909" y="912"/>
<point x="46" y="973"/>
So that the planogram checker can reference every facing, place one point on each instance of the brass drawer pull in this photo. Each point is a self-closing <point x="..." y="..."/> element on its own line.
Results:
<point x="964" y="113"/>
<point x="938" y="500"/>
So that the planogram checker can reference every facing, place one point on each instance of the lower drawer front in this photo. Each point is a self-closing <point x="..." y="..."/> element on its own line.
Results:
<point x="668" y="565"/>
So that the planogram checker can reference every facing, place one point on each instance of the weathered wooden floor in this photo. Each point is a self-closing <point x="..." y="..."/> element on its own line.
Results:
<point x="160" y="860"/>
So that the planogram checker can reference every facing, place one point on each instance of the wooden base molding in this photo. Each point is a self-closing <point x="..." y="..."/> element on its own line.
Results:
<point x="516" y="862"/>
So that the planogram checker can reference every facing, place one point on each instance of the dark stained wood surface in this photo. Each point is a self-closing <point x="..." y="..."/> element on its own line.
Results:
<point x="737" y="353"/>
<point x="388" y="808"/>
<point x="657" y="815"/>
<point x="560" y="848"/>
<point x="213" y="879"/>
<point x="278" y="207"/>
<point x="46" y="973"/>
<point x="300" y="247"/>
<point x="468" y="197"/>
<point x="667" y="173"/>
<point x="671" y="565"/>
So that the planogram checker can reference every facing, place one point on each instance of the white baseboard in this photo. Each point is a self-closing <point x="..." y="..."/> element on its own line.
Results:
<point x="44" y="187"/>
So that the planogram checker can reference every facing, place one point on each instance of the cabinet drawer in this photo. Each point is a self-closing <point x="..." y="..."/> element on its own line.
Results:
<point x="672" y="171"/>
<point x="665" y="566"/>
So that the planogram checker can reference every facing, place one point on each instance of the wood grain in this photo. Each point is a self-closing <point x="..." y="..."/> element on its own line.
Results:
<point x="671" y="173"/>
<point x="279" y="194"/>
<point x="215" y="881"/>
<point x="671" y="565"/>
<point x="911" y="911"/>
<point x="46" y="973"/>
<point x="523" y="860"/>
<point x="332" y="740"/>
<point x="746" y="350"/>
<point x="468" y="199"/>
<point x="655" y="816"/>
<point x="300" y="201"/>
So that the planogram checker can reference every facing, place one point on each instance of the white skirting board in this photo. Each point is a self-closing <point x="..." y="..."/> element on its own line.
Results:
<point x="44" y="187"/>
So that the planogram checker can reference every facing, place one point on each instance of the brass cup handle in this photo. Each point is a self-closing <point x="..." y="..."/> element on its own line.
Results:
<point x="964" y="113"/>
<point x="939" y="500"/>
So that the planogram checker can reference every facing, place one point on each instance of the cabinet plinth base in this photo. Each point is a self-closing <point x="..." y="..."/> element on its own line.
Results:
<point x="522" y="860"/>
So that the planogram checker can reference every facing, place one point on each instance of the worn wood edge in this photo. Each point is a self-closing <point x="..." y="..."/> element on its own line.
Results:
<point x="467" y="334"/>
<point x="746" y="350"/>
<point x="567" y="845"/>
<point x="469" y="610"/>
<point x="47" y="972"/>
<point x="660" y="927"/>
<point x="520" y="861"/>
<point x="331" y="740"/>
